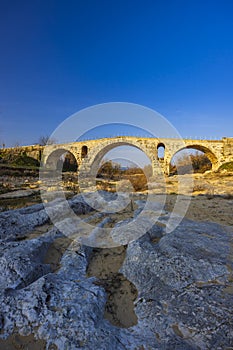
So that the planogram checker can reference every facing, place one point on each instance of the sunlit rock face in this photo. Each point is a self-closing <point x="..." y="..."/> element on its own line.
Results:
<point x="183" y="281"/>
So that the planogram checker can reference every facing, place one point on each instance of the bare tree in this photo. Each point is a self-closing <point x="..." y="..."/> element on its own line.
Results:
<point x="46" y="140"/>
<point x="199" y="161"/>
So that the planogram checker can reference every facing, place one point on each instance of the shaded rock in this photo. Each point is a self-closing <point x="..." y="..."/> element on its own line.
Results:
<point x="21" y="263"/>
<point x="18" y="222"/>
<point x="18" y="194"/>
<point x="183" y="280"/>
<point x="182" y="283"/>
<point x="65" y="309"/>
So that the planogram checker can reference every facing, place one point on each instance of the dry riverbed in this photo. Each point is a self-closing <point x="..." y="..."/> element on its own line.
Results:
<point x="212" y="200"/>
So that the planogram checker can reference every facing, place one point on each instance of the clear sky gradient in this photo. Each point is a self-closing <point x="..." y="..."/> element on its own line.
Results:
<point x="58" y="57"/>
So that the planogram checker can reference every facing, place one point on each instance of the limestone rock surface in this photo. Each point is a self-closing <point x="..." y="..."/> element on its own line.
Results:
<point x="183" y="278"/>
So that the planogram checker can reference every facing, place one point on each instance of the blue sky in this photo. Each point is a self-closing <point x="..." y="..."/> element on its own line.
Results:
<point x="58" y="57"/>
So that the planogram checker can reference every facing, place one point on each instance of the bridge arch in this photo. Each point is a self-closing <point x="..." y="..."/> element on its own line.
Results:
<point x="61" y="159"/>
<point x="207" y="151"/>
<point x="92" y="162"/>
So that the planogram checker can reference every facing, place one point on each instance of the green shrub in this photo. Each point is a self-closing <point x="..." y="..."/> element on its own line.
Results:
<point x="24" y="160"/>
<point x="227" y="166"/>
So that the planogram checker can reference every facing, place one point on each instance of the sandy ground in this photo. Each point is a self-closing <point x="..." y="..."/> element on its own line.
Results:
<point x="17" y="342"/>
<point x="218" y="209"/>
<point x="121" y="293"/>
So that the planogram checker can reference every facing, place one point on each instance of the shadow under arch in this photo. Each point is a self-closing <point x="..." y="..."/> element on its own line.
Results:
<point x="210" y="155"/>
<point x="61" y="159"/>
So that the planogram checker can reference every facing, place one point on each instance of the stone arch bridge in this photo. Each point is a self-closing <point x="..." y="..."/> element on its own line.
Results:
<point x="88" y="154"/>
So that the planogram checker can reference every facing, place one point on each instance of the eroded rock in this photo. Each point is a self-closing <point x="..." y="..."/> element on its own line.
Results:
<point x="183" y="280"/>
